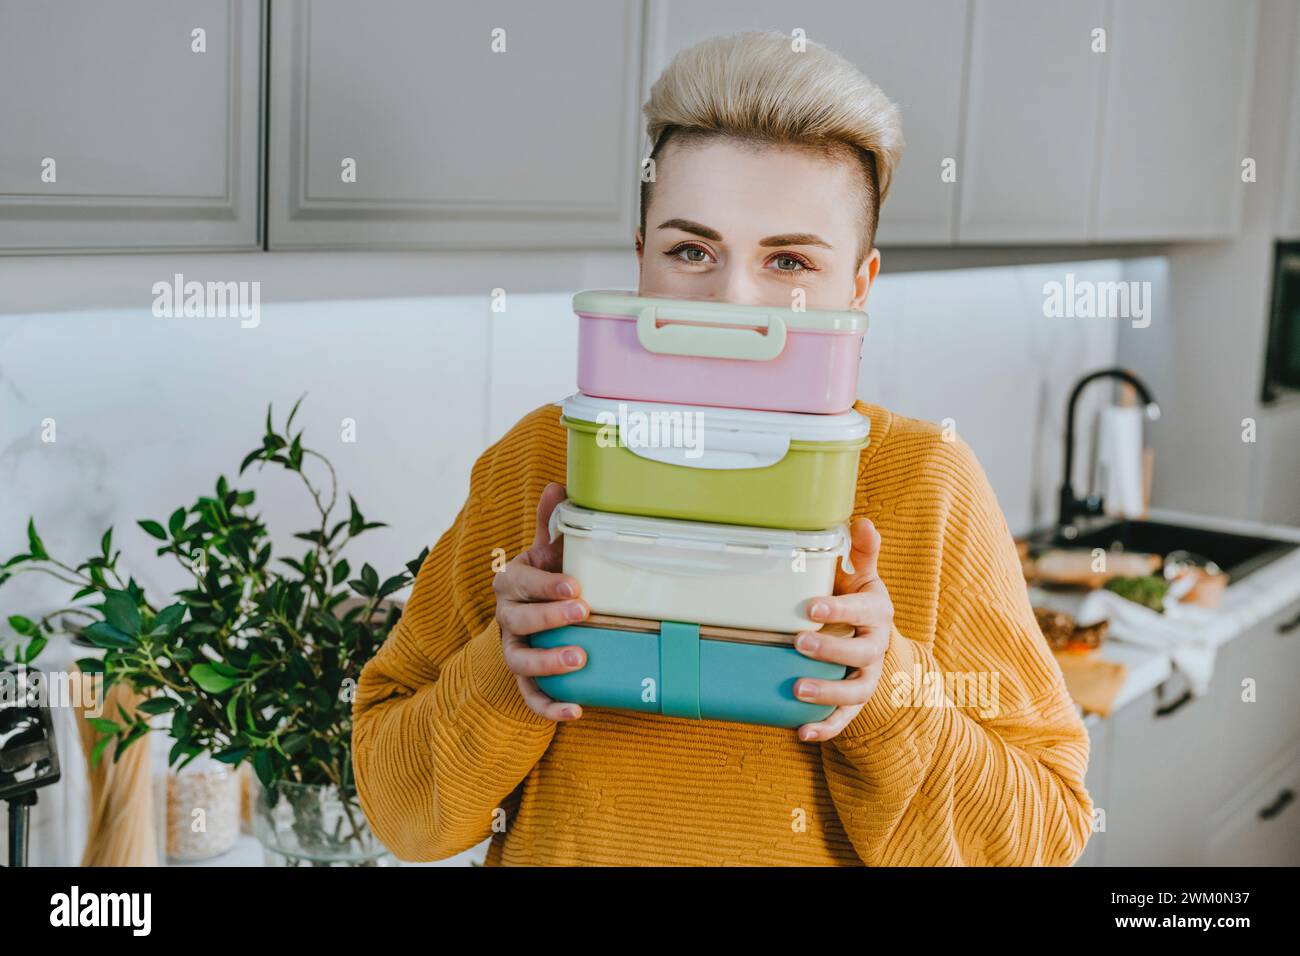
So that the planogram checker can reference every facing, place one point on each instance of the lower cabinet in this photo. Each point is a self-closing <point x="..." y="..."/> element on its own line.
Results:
<point x="1210" y="780"/>
<point x="1158" y="804"/>
<point x="1098" y="784"/>
<point x="1262" y="827"/>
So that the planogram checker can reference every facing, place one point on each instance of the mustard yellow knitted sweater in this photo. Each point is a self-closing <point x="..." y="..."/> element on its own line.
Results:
<point x="447" y="754"/>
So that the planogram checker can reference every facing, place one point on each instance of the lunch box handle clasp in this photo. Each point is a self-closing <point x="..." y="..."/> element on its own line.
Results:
<point x="711" y="341"/>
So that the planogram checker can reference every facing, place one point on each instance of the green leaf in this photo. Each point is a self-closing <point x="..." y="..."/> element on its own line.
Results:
<point x="103" y="634"/>
<point x="355" y="522"/>
<point x="35" y="545"/>
<point x="176" y="523"/>
<point x="22" y="625"/>
<point x="104" y="725"/>
<point x="206" y="676"/>
<point x="35" y="647"/>
<point x="90" y="665"/>
<point x="106" y="543"/>
<point x="262" y="765"/>
<point x="340" y="571"/>
<point x="121" y="612"/>
<point x="251" y="457"/>
<point x="414" y="566"/>
<point x="371" y="577"/>
<point x="168" y="619"/>
<point x="294" y="411"/>
<point x="231" y="755"/>
<point x="154" y="528"/>
<point x="158" y="705"/>
<point x="97" y="751"/>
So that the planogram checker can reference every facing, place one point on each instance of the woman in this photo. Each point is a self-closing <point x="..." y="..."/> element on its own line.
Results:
<point x="769" y="168"/>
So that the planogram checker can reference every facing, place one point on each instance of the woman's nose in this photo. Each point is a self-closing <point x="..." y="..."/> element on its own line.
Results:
<point x="739" y="288"/>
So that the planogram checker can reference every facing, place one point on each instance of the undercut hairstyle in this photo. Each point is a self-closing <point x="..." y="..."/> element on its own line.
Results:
<point x="755" y="89"/>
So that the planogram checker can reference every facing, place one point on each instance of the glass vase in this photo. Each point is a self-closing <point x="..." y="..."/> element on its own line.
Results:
<point x="307" y="824"/>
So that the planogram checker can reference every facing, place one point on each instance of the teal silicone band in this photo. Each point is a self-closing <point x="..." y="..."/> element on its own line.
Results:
<point x="679" y="669"/>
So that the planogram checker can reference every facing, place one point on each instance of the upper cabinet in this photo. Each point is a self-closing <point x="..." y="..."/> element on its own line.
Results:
<point x="130" y="126"/>
<point x="1175" y="124"/>
<point x="397" y="124"/>
<point x="1103" y="121"/>
<point x="401" y="124"/>
<point x="915" y="52"/>
<point x="1033" y="105"/>
<point x="1288" y="225"/>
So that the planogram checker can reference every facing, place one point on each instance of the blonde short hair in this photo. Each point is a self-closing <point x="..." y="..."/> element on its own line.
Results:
<point x="755" y="87"/>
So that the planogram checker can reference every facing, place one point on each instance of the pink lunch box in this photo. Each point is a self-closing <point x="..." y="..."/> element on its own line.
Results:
<point x="690" y="352"/>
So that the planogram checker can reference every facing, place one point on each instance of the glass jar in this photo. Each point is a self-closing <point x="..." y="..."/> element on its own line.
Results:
<point x="201" y="809"/>
<point x="307" y="824"/>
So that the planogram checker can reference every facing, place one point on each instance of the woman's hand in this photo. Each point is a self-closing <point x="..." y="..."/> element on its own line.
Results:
<point x="861" y="600"/>
<point x="533" y="596"/>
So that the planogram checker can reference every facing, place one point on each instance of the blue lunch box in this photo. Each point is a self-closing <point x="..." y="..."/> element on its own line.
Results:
<point x="686" y="670"/>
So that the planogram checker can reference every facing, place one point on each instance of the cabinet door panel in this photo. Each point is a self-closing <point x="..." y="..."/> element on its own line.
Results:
<point x="1031" y="121"/>
<point x="460" y="136"/>
<point x="1160" y="803"/>
<point x="1259" y="711"/>
<point x="154" y="145"/>
<point x="1177" y="104"/>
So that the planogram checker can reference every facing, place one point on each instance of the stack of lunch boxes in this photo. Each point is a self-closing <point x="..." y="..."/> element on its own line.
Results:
<point x="712" y="466"/>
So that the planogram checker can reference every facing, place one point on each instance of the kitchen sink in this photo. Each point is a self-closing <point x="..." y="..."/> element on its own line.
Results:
<point x="1238" y="554"/>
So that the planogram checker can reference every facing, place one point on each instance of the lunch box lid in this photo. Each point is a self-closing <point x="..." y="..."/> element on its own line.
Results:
<point x="708" y="632"/>
<point x="624" y="304"/>
<point x="568" y="518"/>
<point x="850" y="426"/>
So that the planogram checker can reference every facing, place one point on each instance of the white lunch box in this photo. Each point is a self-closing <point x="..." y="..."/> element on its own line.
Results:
<point x="716" y="574"/>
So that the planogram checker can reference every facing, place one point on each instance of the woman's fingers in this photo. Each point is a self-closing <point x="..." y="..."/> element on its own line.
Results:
<point x="863" y="609"/>
<point x="524" y="619"/>
<point x="856" y="688"/>
<point x="832" y="726"/>
<point x="521" y="581"/>
<point x="863" y="650"/>
<point x="524" y="660"/>
<point x="542" y="705"/>
<point x="864" y="552"/>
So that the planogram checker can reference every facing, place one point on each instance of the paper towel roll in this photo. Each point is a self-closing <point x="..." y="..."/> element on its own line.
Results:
<point x="1119" y="460"/>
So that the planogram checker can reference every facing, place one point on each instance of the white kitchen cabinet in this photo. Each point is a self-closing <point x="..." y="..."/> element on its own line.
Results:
<point x="1178" y="89"/>
<point x="1262" y="827"/>
<point x="1098" y="784"/>
<point x="125" y="128"/>
<point x="1258" y="708"/>
<point x="1032" y="113"/>
<point x="1159" y="797"/>
<point x="914" y="52"/>
<point x="399" y="125"/>
<point x="1288" y="225"/>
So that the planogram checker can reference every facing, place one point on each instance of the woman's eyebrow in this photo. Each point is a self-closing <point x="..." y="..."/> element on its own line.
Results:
<point x="795" y="239"/>
<point x="685" y="225"/>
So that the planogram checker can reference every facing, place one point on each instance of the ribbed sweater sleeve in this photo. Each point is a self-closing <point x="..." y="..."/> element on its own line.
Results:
<point x="441" y="736"/>
<point x="919" y="783"/>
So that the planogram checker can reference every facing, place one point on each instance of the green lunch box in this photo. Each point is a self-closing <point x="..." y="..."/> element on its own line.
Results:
<point x="685" y="670"/>
<point x="723" y="465"/>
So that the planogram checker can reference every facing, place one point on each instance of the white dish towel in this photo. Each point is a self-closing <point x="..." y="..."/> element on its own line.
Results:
<point x="1180" y="631"/>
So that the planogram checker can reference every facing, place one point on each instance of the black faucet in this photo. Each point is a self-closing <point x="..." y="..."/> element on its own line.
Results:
<point x="1070" y="506"/>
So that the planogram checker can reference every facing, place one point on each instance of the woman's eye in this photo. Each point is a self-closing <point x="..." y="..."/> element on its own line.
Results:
<point x="693" y="254"/>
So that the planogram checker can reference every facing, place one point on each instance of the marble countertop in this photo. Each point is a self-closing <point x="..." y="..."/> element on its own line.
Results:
<point x="1264" y="593"/>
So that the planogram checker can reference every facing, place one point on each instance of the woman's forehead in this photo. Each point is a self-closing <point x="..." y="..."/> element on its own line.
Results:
<point x="755" y="190"/>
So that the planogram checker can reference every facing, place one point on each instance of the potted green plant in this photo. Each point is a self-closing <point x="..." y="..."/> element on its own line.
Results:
<point x="254" y="661"/>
